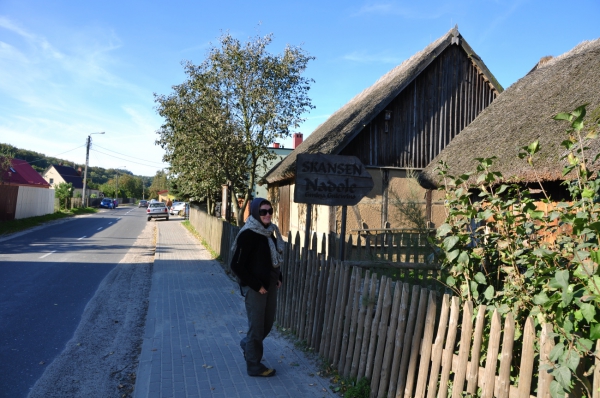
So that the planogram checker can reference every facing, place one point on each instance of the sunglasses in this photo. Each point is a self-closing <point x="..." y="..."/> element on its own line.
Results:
<point x="264" y="212"/>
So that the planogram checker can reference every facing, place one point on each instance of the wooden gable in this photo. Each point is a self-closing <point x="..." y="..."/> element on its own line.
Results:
<point x="424" y="117"/>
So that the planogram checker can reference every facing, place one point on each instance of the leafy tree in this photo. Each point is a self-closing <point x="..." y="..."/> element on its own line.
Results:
<point x="159" y="183"/>
<point x="221" y="120"/>
<point x="5" y="163"/>
<point x="64" y="191"/>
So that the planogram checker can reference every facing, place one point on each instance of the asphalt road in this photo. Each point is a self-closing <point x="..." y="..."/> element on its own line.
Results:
<point x="47" y="276"/>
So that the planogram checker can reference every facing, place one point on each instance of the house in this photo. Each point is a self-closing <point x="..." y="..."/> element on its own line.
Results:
<point x="23" y="192"/>
<point x="522" y="115"/>
<point x="260" y="191"/>
<point x="164" y="196"/>
<point x="56" y="174"/>
<point x="395" y="128"/>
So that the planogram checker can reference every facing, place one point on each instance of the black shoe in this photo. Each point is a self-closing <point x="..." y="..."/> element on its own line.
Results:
<point x="265" y="373"/>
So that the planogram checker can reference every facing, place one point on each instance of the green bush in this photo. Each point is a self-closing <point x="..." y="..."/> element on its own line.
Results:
<point x="499" y="249"/>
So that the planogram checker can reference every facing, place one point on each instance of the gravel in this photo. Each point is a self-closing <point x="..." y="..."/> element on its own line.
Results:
<point x="102" y="357"/>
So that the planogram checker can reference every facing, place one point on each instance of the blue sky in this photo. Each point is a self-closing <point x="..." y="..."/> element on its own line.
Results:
<point x="68" y="68"/>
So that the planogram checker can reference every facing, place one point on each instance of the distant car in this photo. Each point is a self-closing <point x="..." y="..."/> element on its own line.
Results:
<point x="157" y="210"/>
<point x="143" y="203"/>
<point x="107" y="203"/>
<point x="177" y="207"/>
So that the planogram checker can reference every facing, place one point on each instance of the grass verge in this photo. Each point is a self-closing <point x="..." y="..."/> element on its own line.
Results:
<point x="346" y="387"/>
<point x="191" y="228"/>
<point x="12" y="226"/>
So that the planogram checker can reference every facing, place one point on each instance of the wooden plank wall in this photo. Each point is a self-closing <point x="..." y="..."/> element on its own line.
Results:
<point x="8" y="202"/>
<point x="426" y="115"/>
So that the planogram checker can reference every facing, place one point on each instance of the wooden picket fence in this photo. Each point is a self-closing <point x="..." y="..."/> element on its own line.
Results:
<point x="408" y="246"/>
<point x="218" y="233"/>
<point x="408" y="340"/>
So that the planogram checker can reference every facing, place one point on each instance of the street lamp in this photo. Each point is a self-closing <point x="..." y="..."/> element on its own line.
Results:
<point x="87" y="159"/>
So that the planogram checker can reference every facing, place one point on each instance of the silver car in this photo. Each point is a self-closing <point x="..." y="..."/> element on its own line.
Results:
<point x="157" y="210"/>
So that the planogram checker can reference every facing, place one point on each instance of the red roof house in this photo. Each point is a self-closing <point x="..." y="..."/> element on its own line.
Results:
<point x="21" y="173"/>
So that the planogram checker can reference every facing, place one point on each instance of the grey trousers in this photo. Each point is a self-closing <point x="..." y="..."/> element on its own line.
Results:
<point x="260" y="309"/>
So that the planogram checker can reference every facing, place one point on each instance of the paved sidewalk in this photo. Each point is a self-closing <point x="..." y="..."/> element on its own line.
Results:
<point x="196" y="318"/>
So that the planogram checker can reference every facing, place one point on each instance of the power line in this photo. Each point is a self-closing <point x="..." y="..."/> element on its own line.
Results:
<point x="127" y="160"/>
<point x="129" y="156"/>
<point x="45" y="158"/>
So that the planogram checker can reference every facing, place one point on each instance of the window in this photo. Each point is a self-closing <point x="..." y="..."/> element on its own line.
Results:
<point x="52" y="181"/>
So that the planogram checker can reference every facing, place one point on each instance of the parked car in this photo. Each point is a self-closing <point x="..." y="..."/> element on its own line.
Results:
<point x="143" y="203"/>
<point x="107" y="203"/>
<point x="177" y="207"/>
<point x="157" y="210"/>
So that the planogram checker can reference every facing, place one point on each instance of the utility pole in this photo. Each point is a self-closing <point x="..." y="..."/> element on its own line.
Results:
<point x="87" y="160"/>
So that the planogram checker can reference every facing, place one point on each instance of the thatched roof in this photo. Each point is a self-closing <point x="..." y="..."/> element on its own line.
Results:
<point x="341" y="127"/>
<point x="522" y="114"/>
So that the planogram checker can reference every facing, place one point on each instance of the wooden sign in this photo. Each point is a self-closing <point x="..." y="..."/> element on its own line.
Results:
<point x="331" y="180"/>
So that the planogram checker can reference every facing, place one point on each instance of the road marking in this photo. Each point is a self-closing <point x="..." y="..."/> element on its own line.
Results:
<point x="99" y="228"/>
<point x="47" y="254"/>
<point x="38" y="244"/>
<point x="110" y="223"/>
<point x="82" y="237"/>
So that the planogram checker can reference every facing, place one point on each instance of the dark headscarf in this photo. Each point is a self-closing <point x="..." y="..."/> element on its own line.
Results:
<point x="255" y="207"/>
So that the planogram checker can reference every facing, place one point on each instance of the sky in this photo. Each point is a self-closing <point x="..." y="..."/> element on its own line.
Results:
<point x="69" y="69"/>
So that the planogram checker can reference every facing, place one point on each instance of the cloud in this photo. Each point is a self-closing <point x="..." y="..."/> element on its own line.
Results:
<point x="364" y="57"/>
<point x="56" y="90"/>
<point x="414" y="12"/>
<point x="501" y="17"/>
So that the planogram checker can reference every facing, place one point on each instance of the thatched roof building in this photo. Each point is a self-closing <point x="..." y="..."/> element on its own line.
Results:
<point x="523" y="114"/>
<point x="422" y="110"/>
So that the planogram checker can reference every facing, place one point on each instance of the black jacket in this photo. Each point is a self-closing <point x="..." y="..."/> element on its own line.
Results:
<point x="252" y="262"/>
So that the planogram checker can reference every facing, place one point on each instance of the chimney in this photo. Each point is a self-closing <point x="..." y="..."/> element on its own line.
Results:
<point x="276" y="145"/>
<point x="297" y="139"/>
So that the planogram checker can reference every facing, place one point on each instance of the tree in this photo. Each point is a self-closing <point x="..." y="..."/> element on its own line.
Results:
<point x="64" y="191"/>
<point x="5" y="164"/>
<point x="159" y="183"/>
<point x="221" y="120"/>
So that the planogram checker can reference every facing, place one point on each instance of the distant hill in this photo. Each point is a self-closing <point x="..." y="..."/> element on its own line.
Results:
<point x="40" y="162"/>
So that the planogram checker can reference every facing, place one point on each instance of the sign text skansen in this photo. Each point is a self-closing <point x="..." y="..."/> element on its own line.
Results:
<point x="332" y="168"/>
<point x="331" y="180"/>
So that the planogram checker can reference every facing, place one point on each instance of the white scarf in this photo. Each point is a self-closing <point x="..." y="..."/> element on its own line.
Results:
<point x="255" y="226"/>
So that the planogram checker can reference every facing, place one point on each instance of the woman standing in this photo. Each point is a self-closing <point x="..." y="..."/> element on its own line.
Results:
<point x="258" y="253"/>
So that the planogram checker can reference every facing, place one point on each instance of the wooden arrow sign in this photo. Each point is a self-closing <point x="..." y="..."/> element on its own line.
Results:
<point x="331" y="180"/>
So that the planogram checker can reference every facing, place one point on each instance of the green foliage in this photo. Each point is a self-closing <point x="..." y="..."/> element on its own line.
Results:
<point x="221" y="120"/>
<point x="12" y="226"/>
<point x="498" y="248"/>
<point x="360" y="389"/>
<point x="63" y="192"/>
<point x="6" y="157"/>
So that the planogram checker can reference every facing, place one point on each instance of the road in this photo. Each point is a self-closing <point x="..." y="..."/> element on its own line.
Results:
<point x="47" y="276"/>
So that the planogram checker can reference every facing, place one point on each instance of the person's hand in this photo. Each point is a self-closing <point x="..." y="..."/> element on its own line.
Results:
<point x="262" y="290"/>
<point x="278" y="284"/>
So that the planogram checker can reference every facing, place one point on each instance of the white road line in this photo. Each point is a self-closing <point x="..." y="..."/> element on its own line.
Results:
<point x="82" y="237"/>
<point x="99" y="228"/>
<point x="110" y="223"/>
<point x="47" y="254"/>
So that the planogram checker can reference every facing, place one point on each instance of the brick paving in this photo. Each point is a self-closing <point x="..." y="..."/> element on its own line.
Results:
<point x="196" y="318"/>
